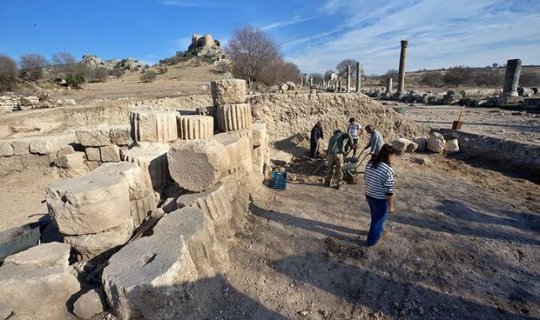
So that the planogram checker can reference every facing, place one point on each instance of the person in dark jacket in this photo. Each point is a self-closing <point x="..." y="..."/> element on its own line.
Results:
<point x="316" y="135"/>
<point x="338" y="146"/>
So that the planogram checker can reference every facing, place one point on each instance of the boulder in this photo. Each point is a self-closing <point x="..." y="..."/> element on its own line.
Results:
<point x="284" y="87"/>
<point x="197" y="165"/>
<point x="401" y="145"/>
<point x="89" y="304"/>
<point x="436" y="143"/>
<point x="154" y="126"/>
<point x="50" y="144"/>
<point x="238" y="146"/>
<point x="151" y="277"/>
<point x="421" y="142"/>
<point x="411" y="147"/>
<point x="54" y="254"/>
<point x="37" y="283"/>
<point x="152" y="159"/>
<point x="89" y="204"/>
<point x="451" y="146"/>
<point x="228" y="91"/>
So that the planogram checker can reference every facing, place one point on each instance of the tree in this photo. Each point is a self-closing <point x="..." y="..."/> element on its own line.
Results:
<point x="317" y="77"/>
<point x="32" y="66"/>
<point x="495" y="65"/>
<point x="342" y="68"/>
<point x="392" y="73"/>
<point x="65" y="62"/>
<point x="8" y="73"/>
<point x="280" y="71"/>
<point x="328" y="75"/>
<point x="251" y="50"/>
<point x="432" y="79"/>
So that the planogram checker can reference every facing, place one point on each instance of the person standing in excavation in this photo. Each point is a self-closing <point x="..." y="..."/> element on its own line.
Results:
<point x="376" y="140"/>
<point x="316" y="136"/>
<point x="355" y="131"/>
<point x="338" y="145"/>
<point x="379" y="191"/>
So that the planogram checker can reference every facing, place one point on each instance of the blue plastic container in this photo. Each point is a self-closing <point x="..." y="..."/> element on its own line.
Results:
<point x="279" y="180"/>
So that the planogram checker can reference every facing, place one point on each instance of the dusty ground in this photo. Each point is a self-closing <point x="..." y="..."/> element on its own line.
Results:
<point x="513" y="125"/>
<point x="463" y="244"/>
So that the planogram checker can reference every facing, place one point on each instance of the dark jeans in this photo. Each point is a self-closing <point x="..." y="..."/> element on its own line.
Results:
<point x="313" y="149"/>
<point x="379" y="212"/>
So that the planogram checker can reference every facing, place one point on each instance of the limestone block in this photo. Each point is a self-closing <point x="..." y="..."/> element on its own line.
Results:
<point x="422" y="143"/>
<point x="228" y="91"/>
<point x="238" y="146"/>
<point x="232" y="117"/>
<point x="451" y="146"/>
<point x="20" y="146"/>
<point x="50" y="144"/>
<point x="215" y="203"/>
<point x="150" y="277"/>
<point x="93" y="165"/>
<point x="45" y="255"/>
<point x="6" y="149"/>
<point x="259" y="134"/>
<point x="152" y="159"/>
<point x="141" y="208"/>
<point x="411" y="147"/>
<point x="94" y="137"/>
<point x="88" y="246"/>
<point x="199" y="234"/>
<point x="89" y="304"/>
<point x="37" y="291"/>
<point x="110" y="153"/>
<point x="71" y="165"/>
<point x="400" y="145"/>
<point x="154" y="126"/>
<point x="65" y="150"/>
<point x="436" y="142"/>
<point x="5" y="109"/>
<point x="261" y="161"/>
<point x="120" y="135"/>
<point x="93" y="153"/>
<point x="197" y="165"/>
<point x="89" y="204"/>
<point x="131" y="172"/>
<point x="195" y="127"/>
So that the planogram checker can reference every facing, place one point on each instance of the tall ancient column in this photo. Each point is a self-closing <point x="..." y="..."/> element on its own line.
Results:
<point x="402" y="62"/>
<point x="358" y="76"/>
<point x="311" y="81"/>
<point x="388" y="86"/>
<point x="348" y="78"/>
<point x="511" y="78"/>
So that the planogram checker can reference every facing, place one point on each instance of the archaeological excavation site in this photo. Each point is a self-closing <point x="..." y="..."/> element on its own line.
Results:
<point x="238" y="180"/>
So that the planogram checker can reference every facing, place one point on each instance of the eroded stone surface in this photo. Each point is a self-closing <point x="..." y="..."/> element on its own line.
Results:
<point x="154" y="126"/>
<point x="451" y="146"/>
<point x="50" y="144"/>
<point x="197" y="165"/>
<point x="228" y="91"/>
<point x="436" y="142"/>
<point x="42" y="256"/>
<point x="110" y="153"/>
<point x="232" y="117"/>
<point x="89" y="304"/>
<point x="152" y="159"/>
<point x="238" y="146"/>
<point x="195" y="127"/>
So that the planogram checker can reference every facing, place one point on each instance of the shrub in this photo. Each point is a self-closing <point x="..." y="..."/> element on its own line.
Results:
<point x="432" y="79"/>
<point x="457" y="75"/>
<point x="117" y="73"/>
<point x="148" y="76"/>
<point x="529" y="79"/>
<point x="97" y="74"/>
<point x="222" y="66"/>
<point x="75" y="79"/>
<point x="8" y="73"/>
<point x="163" y="69"/>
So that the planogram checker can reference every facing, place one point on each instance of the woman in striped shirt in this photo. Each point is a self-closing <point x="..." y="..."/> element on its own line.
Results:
<point x="379" y="182"/>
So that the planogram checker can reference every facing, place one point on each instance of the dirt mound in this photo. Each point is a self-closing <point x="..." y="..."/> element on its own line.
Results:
<point x="287" y="115"/>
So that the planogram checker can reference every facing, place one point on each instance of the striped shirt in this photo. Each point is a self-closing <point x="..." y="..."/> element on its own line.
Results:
<point x="379" y="181"/>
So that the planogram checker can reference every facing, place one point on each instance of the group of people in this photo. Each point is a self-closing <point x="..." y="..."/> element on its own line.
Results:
<point x="378" y="176"/>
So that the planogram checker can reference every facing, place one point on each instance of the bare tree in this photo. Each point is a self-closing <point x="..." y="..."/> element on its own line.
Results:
<point x="457" y="75"/>
<point x="342" y="68"/>
<point x="66" y="62"/>
<point x="32" y="65"/>
<point x="250" y="50"/>
<point x="392" y="73"/>
<point x="328" y="75"/>
<point x="317" y="77"/>
<point x="8" y="73"/>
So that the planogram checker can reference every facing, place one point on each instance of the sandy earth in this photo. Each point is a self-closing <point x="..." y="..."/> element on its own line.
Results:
<point x="463" y="244"/>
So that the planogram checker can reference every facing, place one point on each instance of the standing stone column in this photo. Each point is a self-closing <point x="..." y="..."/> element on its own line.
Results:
<point x="311" y="81"/>
<point x="348" y="79"/>
<point x="511" y="78"/>
<point x="388" y="86"/>
<point x="402" y="62"/>
<point x="358" y="76"/>
<point x="339" y="85"/>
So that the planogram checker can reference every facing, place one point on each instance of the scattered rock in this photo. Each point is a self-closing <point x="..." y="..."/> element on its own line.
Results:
<point x="89" y="304"/>
<point x="451" y="146"/>
<point x="421" y="142"/>
<point x="436" y="143"/>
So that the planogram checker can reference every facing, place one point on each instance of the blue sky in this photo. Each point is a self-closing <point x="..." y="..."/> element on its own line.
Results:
<point x="315" y="34"/>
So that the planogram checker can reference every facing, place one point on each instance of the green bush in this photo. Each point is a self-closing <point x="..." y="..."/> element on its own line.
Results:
<point x="148" y="76"/>
<point x="75" y="79"/>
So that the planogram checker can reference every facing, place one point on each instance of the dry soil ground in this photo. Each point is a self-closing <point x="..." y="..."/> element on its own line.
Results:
<point x="521" y="126"/>
<point x="463" y="244"/>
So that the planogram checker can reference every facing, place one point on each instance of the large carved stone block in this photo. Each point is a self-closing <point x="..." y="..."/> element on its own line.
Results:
<point x="234" y="117"/>
<point x="154" y="126"/>
<point x="195" y="127"/>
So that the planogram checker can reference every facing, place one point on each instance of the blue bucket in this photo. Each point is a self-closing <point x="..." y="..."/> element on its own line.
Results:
<point x="279" y="180"/>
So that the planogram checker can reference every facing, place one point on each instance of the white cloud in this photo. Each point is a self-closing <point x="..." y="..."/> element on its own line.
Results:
<point x="441" y="33"/>
<point x="283" y="23"/>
